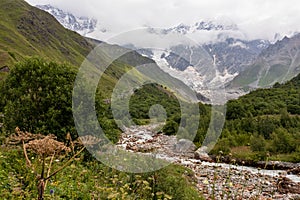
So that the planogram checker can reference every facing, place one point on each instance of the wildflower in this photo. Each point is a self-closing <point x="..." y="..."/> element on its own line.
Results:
<point x="51" y="192"/>
<point x="206" y="182"/>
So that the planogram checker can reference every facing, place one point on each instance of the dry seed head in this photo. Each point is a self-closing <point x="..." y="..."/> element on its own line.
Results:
<point x="20" y="136"/>
<point x="89" y="140"/>
<point x="47" y="146"/>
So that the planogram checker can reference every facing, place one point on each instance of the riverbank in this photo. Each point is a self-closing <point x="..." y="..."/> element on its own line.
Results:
<point x="214" y="180"/>
<point x="291" y="168"/>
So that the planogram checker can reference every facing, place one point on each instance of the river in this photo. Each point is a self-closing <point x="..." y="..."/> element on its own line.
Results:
<point x="214" y="180"/>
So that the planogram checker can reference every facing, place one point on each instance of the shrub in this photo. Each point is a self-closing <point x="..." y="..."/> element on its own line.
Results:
<point x="257" y="143"/>
<point x="38" y="97"/>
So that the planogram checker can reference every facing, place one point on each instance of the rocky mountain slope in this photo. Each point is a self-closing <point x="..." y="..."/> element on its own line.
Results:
<point x="222" y="55"/>
<point x="81" y="25"/>
<point x="208" y="65"/>
<point x="280" y="62"/>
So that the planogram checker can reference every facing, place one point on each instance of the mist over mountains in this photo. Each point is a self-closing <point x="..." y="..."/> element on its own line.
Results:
<point x="217" y="50"/>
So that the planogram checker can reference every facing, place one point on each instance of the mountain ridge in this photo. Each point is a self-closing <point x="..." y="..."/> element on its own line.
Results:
<point x="279" y="62"/>
<point x="235" y="59"/>
<point x="81" y="25"/>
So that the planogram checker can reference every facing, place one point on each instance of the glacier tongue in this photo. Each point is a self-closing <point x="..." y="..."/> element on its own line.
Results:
<point x="200" y="83"/>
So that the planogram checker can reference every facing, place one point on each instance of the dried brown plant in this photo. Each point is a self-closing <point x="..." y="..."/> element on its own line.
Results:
<point x="47" y="146"/>
<point x="21" y="136"/>
<point x="43" y="146"/>
<point x="89" y="140"/>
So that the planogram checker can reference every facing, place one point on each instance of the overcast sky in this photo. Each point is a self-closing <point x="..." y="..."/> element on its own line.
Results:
<point x="257" y="18"/>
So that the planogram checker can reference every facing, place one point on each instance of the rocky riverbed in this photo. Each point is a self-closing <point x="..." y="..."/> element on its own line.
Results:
<point x="214" y="180"/>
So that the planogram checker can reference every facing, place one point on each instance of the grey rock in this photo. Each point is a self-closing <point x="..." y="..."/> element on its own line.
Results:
<point x="202" y="154"/>
<point x="285" y="186"/>
<point x="184" y="145"/>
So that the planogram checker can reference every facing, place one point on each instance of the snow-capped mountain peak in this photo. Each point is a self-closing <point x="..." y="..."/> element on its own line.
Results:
<point x="202" y="26"/>
<point x="214" y="25"/>
<point x="82" y="25"/>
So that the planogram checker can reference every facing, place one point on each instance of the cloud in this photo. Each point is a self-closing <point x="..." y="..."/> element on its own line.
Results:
<point x="257" y="18"/>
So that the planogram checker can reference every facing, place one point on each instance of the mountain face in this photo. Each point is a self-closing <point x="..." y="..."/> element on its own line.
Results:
<point x="234" y="55"/>
<point x="229" y="53"/>
<point x="81" y="25"/>
<point x="279" y="62"/>
<point x="234" y="62"/>
<point x="29" y="31"/>
<point x="200" y="67"/>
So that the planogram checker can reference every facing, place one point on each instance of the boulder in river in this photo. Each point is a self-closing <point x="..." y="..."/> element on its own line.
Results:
<point x="285" y="186"/>
<point x="202" y="154"/>
<point x="184" y="146"/>
<point x="295" y="171"/>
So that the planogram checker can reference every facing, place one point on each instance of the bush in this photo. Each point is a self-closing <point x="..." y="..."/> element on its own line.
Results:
<point x="170" y="128"/>
<point x="282" y="141"/>
<point x="38" y="97"/>
<point x="222" y="145"/>
<point x="257" y="143"/>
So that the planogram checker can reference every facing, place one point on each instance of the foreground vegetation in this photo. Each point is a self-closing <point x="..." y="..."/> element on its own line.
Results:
<point x="87" y="178"/>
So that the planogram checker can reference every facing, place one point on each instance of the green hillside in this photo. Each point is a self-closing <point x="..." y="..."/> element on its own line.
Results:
<point x="28" y="31"/>
<point x="269" y="101"/>
<point x="264" y="121"/>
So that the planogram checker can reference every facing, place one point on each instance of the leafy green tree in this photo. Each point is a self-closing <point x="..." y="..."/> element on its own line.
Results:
<point x="283" y="141"/>
<point x="170" y="128"/>
<point x="38" y="97"/>
<point x="257" y="143"/>
<point x="285" y="118"/>
<point x="235" y="110"/>
<point x="266" y="125"/>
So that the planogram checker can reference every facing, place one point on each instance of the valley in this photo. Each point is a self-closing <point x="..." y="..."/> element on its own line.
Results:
<point x="216" y="110"/>
<point x="215" y="180"/>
